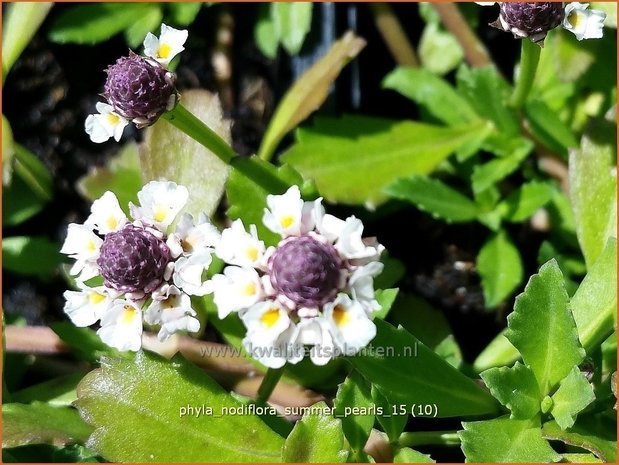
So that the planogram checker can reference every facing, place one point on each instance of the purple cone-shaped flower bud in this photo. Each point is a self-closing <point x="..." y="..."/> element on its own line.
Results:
<point x="133" y="260"/>
<point x="306" y="271"/>
<point x="140" y="89"/>
<point x="532" y="20"/>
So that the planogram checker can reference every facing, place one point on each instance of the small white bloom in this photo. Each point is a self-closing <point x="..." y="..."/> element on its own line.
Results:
<point x="349" y="324"/>
<point x="238" y="247"/>
<point x="352" y="246"/>
<point x="315" y="332"/>
<point x="106" y="215"/>
<point x="160" y="203"/>
<point x="121" y="326"/>
<point x="167" y="46"/>
<point x="87" y="306"/>
<point x="485" y="3"/>
<point x="361" y="284"/>
<point x="189" y="273"/>
<point x="107" y="123"/>
<point x="285" y="213"/>
<point x="189" y="238"/>
<point x="582" y="22"/>
<point x="237" y="288"/>
<point x="173" y="313"/>
<point x="83" y="246"/>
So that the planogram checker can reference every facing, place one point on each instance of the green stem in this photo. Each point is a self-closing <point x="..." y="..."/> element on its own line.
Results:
<point x="429" y="438"/>
<point x="529" y="58"/>
<point x="270" y="380"/>
<point x="251" y="168"/>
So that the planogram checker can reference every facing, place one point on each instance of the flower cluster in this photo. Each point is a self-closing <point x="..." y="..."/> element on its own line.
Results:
<point x="533" y="20"/>
<point x="138" y="89"/>
<point x="145" y="272"/>
<point x="315" y="288"/>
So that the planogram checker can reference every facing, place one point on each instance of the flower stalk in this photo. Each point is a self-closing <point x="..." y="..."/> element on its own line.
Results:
<point x="270" y="380"/>
<point x="529" y="60"/>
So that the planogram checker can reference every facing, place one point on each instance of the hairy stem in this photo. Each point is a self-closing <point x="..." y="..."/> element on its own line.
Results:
<point x="529" y="59"/>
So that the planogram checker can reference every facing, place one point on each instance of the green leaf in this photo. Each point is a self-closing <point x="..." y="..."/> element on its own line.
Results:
<point x="385" y="298"/>
<point x="593" y="190"/>
<point x="136" y="406"/>
<point x="19" y="203"/>
<point x="57" y="392"/>
<point x="149" y="21"/>
<point x="121" y="175"/>
<point x="486" y="175"/>
<point x="30" y="255"/>
<point x="439" y="51"/>
<point x="542" y="328"/>
<point x="44" y="453"/>
<point x="291" y="23"/>
<point x="570" y="59"/>
<point x="20" y="23"/>
<point x="264" y="32"/>
<point x="408" y="455"/>
<point x="546" y="125"/>
<point x="436" y="95"/>
<point x="449" y="350"/>
<point x="170" y="154"/>
<point x="573" y="395"/>
<point x="505" y="440"/>
<point x="434" y="197"/>
<point x="184" y="13"/>
<point x="8" y="152"/>
<point x="316" y="438"/>
<point x="594" y="305"/>
<point x="585" y="438"/>
<point x="516" y="389"/>
<point x="390" y="417"/>
<point x="33" y="173"/>
<point x="84" y="342"/>
<point x="309" y="92"/>
<point x="581" y="458"/>
<point x="95" y="22"/>
<point x="522" y="203"/>
<point x="500" y="267"/>
<point x="353" y="405"/>
<point x="39" y="423"/>
<point x="409" y="373"/>
<point x="499" y="352"/>
<point x="352" y="159"/>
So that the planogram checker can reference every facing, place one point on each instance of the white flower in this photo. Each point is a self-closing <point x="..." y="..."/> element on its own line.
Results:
<point x="485" y="3"/>
<point x="83" y="246"/>
<point x="167" y="46"/>
<point x="106" y="215"/>
<point x="121" y="326"/>
<point x="315" y="332"/>
<point x="107" y="123"/>
<point x="189" y="238"/>
<point x="160" y="203"/>
<point x="288" y="215"/>
<point x="238" y="247"/>
<point x="582" y="22"/>
<point x="173" y="313"/>
<point x="189" y="273"/>
<point x="269" y="334"/>
<point x="361" y="284"/>
<point x="349" y="324"/>
<point x="351" y="245"/>
<point x="87" y="306"/>
<point x="237" y="288"/>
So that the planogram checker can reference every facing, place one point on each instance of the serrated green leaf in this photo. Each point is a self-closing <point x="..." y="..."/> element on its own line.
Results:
<point x="486" y="175"/>
<point x="526" y="200"/>
<point x="315" y="438"/>
<point x="499" y="352"/>
<point x="183" y="13"/>
<point x="168" y="153"/>
<point x="309" y="91"/>
<point x="149" y="21"/>
<point x="585" y="437"/>
<point x="436" y="95"/>
<point x="594" y="305"/>
<point x="434" y="197"/>
<point x="407" y="372"/>
<point x="31" y="256"/>
<point x="546" y="125"/>
<point x="505" y="440"/>
<point x="134" y="405"/>
<point x="500" y="267"/>
<point x="39" y="423"/>
<point x="291" y="22"/>
<point x="593" y="189"/>
<point x="439" y="51"/>
<point x="573" y="395"/>
<point x="581" y="458"/>
<point x="353" y="406"/>
<point x="352" y="159"/>
<point x="408" y="455"/>
<point x="95" y="22"/>
<point x="516" y="389"/>
<point x="543" y="330"/>
<point x="390" y="417"/>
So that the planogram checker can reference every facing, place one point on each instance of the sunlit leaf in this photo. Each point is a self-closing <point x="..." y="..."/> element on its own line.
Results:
<point x="291" y="23"/>
<point x="353" y="406"/>
<point x="573" y="395"/>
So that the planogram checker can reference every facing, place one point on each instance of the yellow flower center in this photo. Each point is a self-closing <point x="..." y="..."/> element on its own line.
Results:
<point x="112" y="119"/>
<point x="340" y="315"/>
<point x="249" y="289"/>
<point x="270" y="317"/>
<point x="111" y="222"/>
<point x="575" y="19"/>
<point x="129" y="315"/>
<point x="91" y="246"/>
<point x="286" y="221"/>
<point x="160" y="213"/>
<point x="164" y="51"/>
<point x="95" y="298"/>
<point x="252" y="253"/>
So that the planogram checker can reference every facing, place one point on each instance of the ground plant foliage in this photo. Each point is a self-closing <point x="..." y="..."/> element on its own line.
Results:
<point x="309" y="232"/>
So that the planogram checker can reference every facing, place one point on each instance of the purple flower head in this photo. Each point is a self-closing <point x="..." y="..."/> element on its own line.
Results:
<point x="133" y="260"/>
<point x="140" y="89"/>
<point x="306" y="271"/>
<point x="532" y="20"/>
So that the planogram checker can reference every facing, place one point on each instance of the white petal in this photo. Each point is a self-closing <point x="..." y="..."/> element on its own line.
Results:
<point x="151" y="45"/>
<point x="582" y="22"/>
<point x="121" y="326"/>
<point x="193" y="238"/>
<point x="87" y="306"/>
<point x="330" y="227"/>
<point x="189" y="272"/>
<point x="82" y="245"/>
<point x="169" y="44"/>
<point x="106" y="215"/>
<point x="350" y="327"/>
<point x="97" y="131"/>
<point x="236" y="289"/>
<point x="351" y="245"/>
<point x="237" y="247"/>
<point x="284" y="213"/>
<point x="361" y="284"/>
<point x="161" y="202"/>
<point x="274" y="354"/>
<point x="316" y="333"/>
<point x="265" y="321"/>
